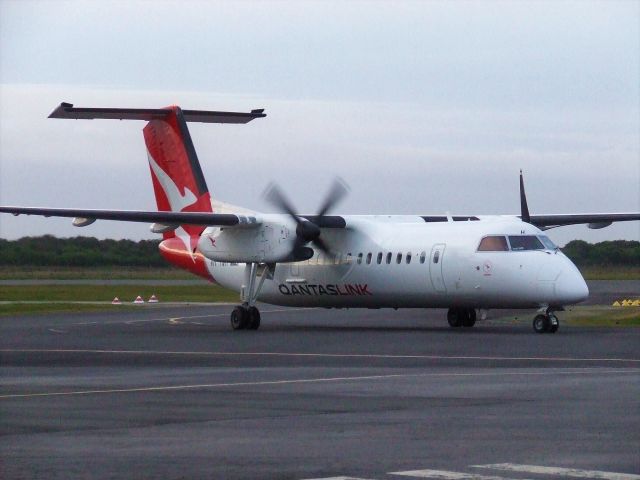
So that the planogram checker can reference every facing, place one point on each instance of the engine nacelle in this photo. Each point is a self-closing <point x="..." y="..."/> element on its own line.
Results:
<point x="267" y="242"/>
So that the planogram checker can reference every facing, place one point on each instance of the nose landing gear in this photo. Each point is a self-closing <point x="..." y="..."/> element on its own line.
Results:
<point x="546" y="323"/>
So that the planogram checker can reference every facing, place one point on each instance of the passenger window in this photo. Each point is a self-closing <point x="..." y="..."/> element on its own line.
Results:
<point x="423" y="257"/>
<point x="399" y="259"/>
<point x="436" y="256"/>
<point x="379" y="258"/>
<point x="525" y="242"/>
<point x="408" y="258"/>
<point x="388" y="258"/>
<point x="493" y="243"/>
<point x="369" y="258"/>
<point x="359" y="258"/>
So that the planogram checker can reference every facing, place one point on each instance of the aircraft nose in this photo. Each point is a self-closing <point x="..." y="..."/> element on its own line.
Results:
<point x="571" y="287"/>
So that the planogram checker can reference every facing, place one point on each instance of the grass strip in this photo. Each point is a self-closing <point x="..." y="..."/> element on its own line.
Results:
<point x="94" y="273"/>
<point x="602" y="316"/>
<point x="126" y="293"/>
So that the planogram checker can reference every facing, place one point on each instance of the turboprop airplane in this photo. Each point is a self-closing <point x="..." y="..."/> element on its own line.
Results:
<point x="465" y="263"/>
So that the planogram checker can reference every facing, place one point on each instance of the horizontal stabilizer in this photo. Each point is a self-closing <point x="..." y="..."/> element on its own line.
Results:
<point x="67" y="110"/>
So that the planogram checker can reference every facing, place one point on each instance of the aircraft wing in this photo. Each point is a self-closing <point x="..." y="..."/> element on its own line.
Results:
<point x="87" y="216"/>
<point x="594" y="220"/>
<point x="170" y="218"/>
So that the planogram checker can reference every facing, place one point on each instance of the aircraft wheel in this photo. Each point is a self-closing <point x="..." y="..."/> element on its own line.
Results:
<point x="541" y="323"/>
<point x="454" y="317"/>
<point x="254" y="318"/>
<point x="469" y="317"/>
<point x="239" y="318"/>
<point x="554" y="323"/>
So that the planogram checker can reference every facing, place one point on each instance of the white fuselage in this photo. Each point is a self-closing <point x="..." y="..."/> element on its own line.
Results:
<point x="405" y="262"/>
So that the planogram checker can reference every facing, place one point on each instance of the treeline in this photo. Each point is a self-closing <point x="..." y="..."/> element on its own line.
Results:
<point x="91" y="252"/>
<point x="80" y="252"/>
<point x="611" y="253"/>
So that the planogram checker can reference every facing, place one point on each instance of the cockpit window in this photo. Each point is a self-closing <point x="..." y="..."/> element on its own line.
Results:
<point x="549" y="245"/>
<point x="493" y="243"/>
<point x="525" y="242"/>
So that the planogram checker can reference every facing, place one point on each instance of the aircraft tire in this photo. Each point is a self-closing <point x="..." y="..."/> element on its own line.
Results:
<point x="455" y="316"/>
<point x="239" y="318"/>
<point x="554" y="324"/>
<point x="253" y="315"/>
<point x="541" y="324"/>
<point x="469" y="317"/>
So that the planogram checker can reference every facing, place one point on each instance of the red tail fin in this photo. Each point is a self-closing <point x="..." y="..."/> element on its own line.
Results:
<point x="178" y="181"/>
<point x="179" y="186"/>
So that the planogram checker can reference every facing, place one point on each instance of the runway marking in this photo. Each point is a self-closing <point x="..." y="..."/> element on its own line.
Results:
<point x="160" y="388"/>
<point x="337" y="478"/>
<point x="566" y="472"/>
<point x="447" y="475"/>
<point x="56" y="331"/>
<point x="324" y="355"/>
<point x="163" y="319"/>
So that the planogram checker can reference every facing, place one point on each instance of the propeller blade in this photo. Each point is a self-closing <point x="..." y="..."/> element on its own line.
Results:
<point x="276" y="197"/>
<point x="338" y="191"/>
<point x="524" y="209"/>
<point x="318" y="242"/>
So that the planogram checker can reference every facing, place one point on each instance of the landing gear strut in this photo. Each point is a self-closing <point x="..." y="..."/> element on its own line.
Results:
<point x="461" y="317"/>
<point x="247" y="315"/>
<point x="546" y="323"/>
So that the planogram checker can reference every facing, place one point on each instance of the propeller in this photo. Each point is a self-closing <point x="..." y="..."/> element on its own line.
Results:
<point x="306" y="229"/>
<point x="524" y="209"/>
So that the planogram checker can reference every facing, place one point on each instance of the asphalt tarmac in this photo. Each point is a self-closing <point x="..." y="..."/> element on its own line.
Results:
<point x="173" y="392"/>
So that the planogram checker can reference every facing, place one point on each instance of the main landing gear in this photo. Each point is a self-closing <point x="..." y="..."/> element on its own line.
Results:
<point x="461" y="317"/>
<point x="247" y="315"/>
<point x="546" y="323"/>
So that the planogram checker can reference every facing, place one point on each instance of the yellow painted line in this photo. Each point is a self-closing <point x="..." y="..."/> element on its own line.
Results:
<point x="161" y="388"/>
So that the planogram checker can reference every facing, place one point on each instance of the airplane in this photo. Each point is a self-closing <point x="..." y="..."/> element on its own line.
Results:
<point x="465" y="263"/>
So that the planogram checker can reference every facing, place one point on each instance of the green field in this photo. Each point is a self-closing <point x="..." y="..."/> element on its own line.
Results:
<point x="95" y="273"/>
<point x="611" y="273"/>
<point x="60" y="298"/>
<point x="602" y="316"/>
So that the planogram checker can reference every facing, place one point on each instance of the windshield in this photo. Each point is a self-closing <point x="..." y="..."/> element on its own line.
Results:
<point x="548" y="243"/>
<point x="525" y="242"/>
<point x="493" y="243"/>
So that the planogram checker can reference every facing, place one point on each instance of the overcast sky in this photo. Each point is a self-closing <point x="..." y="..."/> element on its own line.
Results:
<point x="422" y="107"/>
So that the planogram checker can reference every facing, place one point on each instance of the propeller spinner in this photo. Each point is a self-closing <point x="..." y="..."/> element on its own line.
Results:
<point x="306" y="230"/>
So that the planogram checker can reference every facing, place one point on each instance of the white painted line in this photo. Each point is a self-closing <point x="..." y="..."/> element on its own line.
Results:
<point x="330" y="355"/>
<point x="446" y="475"/>
<point x="336" y="478"/>
<point x="585" y="371"/>
<point x="163" y="319"/>
<point x="56" y="331"/>
<point x="565" y="472"/>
